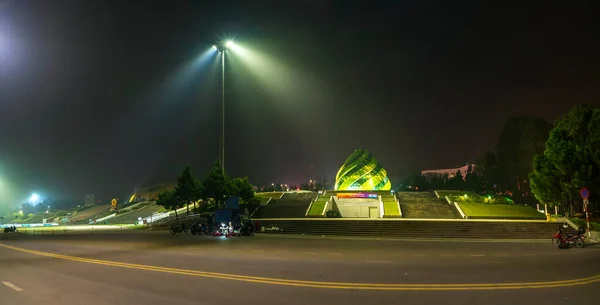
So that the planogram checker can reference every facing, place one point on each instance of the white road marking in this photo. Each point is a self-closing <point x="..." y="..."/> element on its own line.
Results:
<point x="335" y="253"/>
<point x="312" y="253"/>
<point x="273" y="257"/>
<point x="380" y="262"/>
<point x="257" y="250"/>
<point x="477" y="254"/>
<point x="14" y="287"/>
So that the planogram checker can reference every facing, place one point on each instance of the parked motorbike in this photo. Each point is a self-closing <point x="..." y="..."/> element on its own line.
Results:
<point x="10" y="230"/>
<point x="199" y="228"/>
<point x="179" y="229"/>
<point x="570" y="239"/>
<point x="227" y="231"/>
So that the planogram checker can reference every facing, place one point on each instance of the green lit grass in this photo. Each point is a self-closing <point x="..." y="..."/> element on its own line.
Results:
<point x="316" y="209"/>
<point x="274" y="195"/>
<point x="390" y="208"/>
<point x="483" y="210"/>
<point x="470" y="197"/>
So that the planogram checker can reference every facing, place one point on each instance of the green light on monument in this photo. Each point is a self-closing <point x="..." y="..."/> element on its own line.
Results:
<point x="361" y="172"/>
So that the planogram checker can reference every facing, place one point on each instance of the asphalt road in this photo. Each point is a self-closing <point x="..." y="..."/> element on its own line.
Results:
<point x="136" y="268"/>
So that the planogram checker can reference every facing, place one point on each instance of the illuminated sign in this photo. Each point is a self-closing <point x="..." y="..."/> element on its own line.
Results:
<point x="357" y="195"/>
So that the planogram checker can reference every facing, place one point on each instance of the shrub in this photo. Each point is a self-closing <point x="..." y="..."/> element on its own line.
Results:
<point x="333" y="214"/>
<point x="594" y="226"/>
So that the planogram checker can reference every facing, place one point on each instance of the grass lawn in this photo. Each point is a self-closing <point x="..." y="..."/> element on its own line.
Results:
<point x="316" y="209"/>
<point x="483" y="210"/>
<point x="390" y="208"/>
<point x="459" y="196"/>
<point x="275" y="195"/>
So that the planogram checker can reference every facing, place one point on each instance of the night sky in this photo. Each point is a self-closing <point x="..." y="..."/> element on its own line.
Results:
<point x="103" y="96"/>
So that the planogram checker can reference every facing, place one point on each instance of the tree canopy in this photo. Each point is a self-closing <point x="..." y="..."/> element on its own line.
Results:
<point x="217" y="184"/>
<point x="188" y="189"/>
<point x="168" y="200"/>
<point x="242" y="188"/>
<point x="570" y="160"/>
<point x="520" y="140"/>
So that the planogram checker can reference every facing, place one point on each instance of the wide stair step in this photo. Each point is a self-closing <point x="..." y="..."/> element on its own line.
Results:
<point x="431" y="211"/>
<point x="414" y="229"/>
<point x="291" y="205"/>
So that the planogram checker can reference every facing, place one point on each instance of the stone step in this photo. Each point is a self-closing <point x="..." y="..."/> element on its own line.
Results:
<point x="414" y="229"/>
<point x="433" y="211"/>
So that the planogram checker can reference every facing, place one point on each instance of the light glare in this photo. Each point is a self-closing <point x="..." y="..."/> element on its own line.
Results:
<point x="34" y="197"/>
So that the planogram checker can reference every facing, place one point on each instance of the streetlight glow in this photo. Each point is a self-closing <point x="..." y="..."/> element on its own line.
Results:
<point x="229" y="44"/>
<point x="34" y="197"/>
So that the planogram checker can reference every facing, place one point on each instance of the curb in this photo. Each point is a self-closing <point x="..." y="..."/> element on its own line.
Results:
<point x="451" y="240"/>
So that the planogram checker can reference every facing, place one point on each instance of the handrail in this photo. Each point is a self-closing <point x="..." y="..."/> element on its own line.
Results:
<point x="464" y="216"/>
<point x="310" y="206"/>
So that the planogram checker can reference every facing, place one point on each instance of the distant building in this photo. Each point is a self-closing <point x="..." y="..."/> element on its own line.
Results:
<point x="90" y="200"/>
<point x="451" y="172"/>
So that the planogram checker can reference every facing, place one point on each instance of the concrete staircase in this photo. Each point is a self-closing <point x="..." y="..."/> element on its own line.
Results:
<point x="425" y="205"/>
<point x="291" y="205"/>
<point x="413" y="228"/>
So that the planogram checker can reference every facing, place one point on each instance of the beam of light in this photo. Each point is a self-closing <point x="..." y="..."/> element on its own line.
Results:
<point x="184" y="73"/>
<point x="293" y="87"/>
<point x="273" y="75"/>
<point x="155" y="108"/>
<point x="11" y="193"/>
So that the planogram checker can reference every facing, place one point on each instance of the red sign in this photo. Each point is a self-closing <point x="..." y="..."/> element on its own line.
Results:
<point x="585" y="194"/>
<point x="357" y="195"/>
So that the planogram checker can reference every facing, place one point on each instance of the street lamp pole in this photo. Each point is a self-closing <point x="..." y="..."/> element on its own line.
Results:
<point x="223" y="111"/>
<point x="222" y="47"/>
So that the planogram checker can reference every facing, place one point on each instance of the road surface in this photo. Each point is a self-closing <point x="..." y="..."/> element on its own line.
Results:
<point x="156" y="268"/>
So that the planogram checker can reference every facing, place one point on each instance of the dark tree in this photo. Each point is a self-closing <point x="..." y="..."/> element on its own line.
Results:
<point x="457" y="182"/>
<point x="521" y="138"/>
<point x="188" y="188"/>
<point x="168" y="200"/>
<point x="486" y="167"/>
<point x="473" y="180"/>
<point x="217" y="184"/>
<point x="242" y="188"/>
<point x="571" y="159"/>
<point x="437" y="182"/>
<point x="418" y="181"/>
